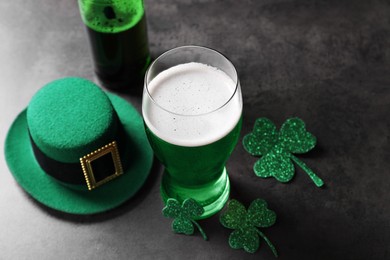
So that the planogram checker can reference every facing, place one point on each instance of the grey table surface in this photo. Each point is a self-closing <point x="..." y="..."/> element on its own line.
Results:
<point x="327" y="62"/>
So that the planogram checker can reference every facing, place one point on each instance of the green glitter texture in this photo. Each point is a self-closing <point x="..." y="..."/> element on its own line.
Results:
<point x="184" y="215"/>
<point x="277" y="148"/>
<point x="245" y="223"/>
<point x="111" y="16"/>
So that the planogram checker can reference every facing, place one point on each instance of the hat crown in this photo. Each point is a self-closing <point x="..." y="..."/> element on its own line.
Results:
<point x="70" y="117"/>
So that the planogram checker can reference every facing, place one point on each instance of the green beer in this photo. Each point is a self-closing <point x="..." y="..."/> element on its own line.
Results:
<point x="192" y="114"/>
<point x="197" y="171"/>
<point x="118" y="37"/>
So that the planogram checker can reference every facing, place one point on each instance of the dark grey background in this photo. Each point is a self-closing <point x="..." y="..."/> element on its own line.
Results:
<point x="327" y="62"/>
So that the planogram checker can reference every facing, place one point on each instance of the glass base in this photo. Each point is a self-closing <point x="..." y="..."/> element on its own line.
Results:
<point x="212" y="196"/>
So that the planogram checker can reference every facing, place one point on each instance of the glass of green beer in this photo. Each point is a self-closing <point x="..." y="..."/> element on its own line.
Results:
<point x="192" y="106"/>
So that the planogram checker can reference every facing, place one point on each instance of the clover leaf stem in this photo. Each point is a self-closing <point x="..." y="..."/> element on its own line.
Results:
<point x="268" y="242"/>
<point x="317" y="180"/>
<point x="200" y="229"/>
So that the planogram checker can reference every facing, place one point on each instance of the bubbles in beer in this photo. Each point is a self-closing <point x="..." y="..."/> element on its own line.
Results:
<point x="111" y="16"/>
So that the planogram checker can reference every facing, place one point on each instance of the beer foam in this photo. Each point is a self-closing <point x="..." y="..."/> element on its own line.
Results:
<point x="191" y="105"/>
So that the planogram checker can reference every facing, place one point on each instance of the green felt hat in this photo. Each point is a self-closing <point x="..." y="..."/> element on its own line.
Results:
<point x="73" y="137"/>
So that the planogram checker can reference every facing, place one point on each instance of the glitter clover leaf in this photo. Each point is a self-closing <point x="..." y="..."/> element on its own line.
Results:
<point x="277" y="149"/>
<point x="245" y="224"/>
<point x="184" y="215"/>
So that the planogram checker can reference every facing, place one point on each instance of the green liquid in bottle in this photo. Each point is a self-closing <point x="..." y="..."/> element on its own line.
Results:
<point x="118" y="36"/>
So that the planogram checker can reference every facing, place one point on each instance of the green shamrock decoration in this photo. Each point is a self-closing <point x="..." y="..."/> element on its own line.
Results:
<point x="184" y="215"/>
<point x="277" y="149"/>
<point x="244" y="223"/>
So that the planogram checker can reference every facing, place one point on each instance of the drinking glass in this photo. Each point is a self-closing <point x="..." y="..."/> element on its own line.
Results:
<point x="192" y="107"/>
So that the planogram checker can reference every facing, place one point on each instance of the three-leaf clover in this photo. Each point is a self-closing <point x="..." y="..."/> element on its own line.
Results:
<point x="184" y="215"/>
<point x="277" y="149"/>
<point x="245" y="223"/>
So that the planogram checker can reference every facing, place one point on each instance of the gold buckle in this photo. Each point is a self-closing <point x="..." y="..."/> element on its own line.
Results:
<point x="86" y="165"/>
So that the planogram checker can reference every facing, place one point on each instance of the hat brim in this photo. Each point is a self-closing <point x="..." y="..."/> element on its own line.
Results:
<point x="138" y="158"/>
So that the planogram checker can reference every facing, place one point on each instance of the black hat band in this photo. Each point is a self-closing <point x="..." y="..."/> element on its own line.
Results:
<point x="97" y="167"/>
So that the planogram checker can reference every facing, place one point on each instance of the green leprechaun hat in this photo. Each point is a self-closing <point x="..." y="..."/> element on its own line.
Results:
<point x="78" y="149"/>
